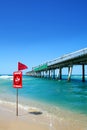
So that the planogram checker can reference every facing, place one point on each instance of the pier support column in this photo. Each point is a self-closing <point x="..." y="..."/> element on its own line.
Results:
<point x="42" y="74"/>
<point x="57" y="75"/>
<point x="54" y="74"/>
<point x="49" y="73"/>
<point x="69" y="72"/>
<point x="60" y="73"/>
<point x="46" y="73"/>
<point x="83" y="73"/>
<point x="38" y="74"/>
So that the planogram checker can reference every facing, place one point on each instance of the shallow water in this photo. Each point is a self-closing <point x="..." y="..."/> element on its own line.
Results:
<point x="69" y="95"/>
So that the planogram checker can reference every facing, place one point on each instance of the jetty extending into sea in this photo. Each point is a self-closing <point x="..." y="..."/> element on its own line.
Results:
<point x="69" y="60"/>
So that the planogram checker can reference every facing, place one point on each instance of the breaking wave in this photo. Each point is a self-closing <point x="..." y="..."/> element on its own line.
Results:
<point x="6" y="77"/>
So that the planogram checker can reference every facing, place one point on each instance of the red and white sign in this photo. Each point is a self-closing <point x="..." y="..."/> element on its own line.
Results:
<point x="17" y="79"/>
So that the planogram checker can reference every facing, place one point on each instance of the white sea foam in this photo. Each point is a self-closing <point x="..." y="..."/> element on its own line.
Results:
<point x="6" y="77"/>
<point x="7" y="103"/>
<point x="24" y="107"/>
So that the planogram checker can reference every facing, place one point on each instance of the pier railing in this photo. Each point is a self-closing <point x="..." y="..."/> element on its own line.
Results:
<point x="40" y="67"/>
<point x="68" y="56"/>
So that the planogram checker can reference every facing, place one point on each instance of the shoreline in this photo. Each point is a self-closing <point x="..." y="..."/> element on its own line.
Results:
<point x="24" y="120"/>
<point x="37" y="119"/>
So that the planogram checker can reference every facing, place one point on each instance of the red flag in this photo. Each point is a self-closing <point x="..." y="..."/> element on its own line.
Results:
<point x="21" y="66"/>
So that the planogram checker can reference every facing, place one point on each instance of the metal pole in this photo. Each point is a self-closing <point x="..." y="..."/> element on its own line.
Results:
<point x="17" y="104"/>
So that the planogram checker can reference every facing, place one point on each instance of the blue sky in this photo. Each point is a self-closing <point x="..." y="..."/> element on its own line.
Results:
<point x="36" y="31"/>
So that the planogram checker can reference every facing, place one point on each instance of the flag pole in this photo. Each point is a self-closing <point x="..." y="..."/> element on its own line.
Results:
<point x="17" y="103"/>
<point x="20" y="67"/>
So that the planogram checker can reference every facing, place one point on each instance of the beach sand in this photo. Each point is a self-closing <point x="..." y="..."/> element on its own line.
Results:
<point x="34" y="119"/>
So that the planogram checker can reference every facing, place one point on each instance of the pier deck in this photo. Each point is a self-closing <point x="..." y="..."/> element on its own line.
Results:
<point x="69" y="60"/>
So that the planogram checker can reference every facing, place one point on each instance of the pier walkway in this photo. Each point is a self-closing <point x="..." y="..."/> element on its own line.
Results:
<point x="69" y="60"/>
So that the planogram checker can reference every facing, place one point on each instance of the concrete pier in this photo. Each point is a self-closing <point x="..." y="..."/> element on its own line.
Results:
<point x="69" y="60"/>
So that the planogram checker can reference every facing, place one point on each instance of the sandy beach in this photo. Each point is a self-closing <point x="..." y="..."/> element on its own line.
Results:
<point x="35" y="119"/>
<point x="24" y="120"/>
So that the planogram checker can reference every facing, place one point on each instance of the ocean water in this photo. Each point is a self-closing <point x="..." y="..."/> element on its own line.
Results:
<point x="49" y="94"/>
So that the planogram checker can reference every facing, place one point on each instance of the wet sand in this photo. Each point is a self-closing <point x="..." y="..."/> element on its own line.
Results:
<point x="35" y="119"/>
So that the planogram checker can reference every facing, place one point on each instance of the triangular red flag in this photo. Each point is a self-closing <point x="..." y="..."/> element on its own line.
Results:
<point x="21" y="66"/>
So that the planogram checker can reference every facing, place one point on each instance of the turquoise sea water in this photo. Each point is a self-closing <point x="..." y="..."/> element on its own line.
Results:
<point x="56" y="93"/>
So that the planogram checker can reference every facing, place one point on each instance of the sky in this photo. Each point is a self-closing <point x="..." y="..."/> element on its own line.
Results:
<point x="37" y="31"/>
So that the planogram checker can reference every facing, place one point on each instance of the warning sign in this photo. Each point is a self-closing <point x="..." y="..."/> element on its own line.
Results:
<point x="17" y="79"/>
